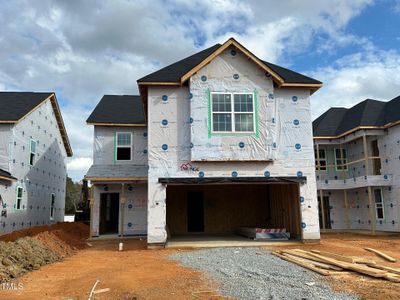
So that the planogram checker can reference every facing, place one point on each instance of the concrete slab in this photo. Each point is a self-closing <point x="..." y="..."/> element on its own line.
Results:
<point x="207" y="241"/>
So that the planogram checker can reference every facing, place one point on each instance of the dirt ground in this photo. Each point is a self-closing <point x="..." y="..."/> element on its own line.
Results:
<point x="137" y="273"/>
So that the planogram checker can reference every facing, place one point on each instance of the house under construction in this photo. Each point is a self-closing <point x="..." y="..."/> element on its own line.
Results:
<point x="357" y="153"/>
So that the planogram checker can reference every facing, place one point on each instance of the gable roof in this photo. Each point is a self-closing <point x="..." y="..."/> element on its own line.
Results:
<point x="14" y="106"/>
<point x="180" y="71"/>
<point x="4" y="175"/>
<point x="368" y="114"/>
<point x="118" y="110"/>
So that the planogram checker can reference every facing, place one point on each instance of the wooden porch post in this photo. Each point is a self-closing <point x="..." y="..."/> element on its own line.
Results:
<point x="321" y="206"/>
<point x="91" y="203"/>
<point x="346" y="205"/>
<point x="122" y="205"/>
<point x="371" y="211"/>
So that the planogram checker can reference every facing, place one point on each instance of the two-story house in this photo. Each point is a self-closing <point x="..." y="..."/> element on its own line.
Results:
<point x="33" y="148"/>
<point x="358" y="166"/>
<point x="215" y="142"/>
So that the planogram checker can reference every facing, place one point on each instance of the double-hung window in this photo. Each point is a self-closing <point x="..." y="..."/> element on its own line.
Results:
<point x="321" y="163"/>
<point x="341" y="159"/>
<point x="123" y="146"/>
<point x="232" y="112"/>
<point x="18" y="202"/>
<point x="52" y="204"/>
<point x="380" y="211"/>
<point x="32" y="152"/>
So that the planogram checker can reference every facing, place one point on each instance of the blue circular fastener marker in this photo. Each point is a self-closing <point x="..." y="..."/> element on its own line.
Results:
<point x="301" y="199"/>
<point x="145" y="134"/>
<point x="236" y="76"/>
<point x="299" y="174"/>
<point x="294" y="99"/>
<point x="130" y="206"/>
<point x="303" y="225"/>
<point x="241" y="145"/>
<point x="203" y="78"/>
<point x="201" y="174"/>
<point x="267" y="174"/>
<point x="297" y="146"/>
<point x="190" y="120"/>
<point x="234" y="174"/>
<point x="233" y="52"/>
<point x="164" y="122"/>
<point x="164" y="147"/>
<point x="129" y="224"/>
<point x="164" y="97"/>
<point x="296" y="122"/>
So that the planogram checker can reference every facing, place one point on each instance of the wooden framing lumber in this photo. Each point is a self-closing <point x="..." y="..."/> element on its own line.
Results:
<point x="381" y="254"/>
<point x="335" y="256"/>
<point x="304" y="255"/>
<point x="389" y="269"/>
<point x="302" y="264"/>
<point x="310" y="260"/>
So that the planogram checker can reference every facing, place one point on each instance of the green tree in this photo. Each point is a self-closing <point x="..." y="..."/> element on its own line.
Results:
<point x="72" y="196"/>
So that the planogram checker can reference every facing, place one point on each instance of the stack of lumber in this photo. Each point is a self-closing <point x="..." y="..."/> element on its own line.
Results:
<point x="328" y="263"/>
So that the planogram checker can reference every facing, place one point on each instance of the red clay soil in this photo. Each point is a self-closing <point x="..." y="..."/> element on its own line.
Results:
<point x="353" y="245"/>
<point x="134" y="273"/>
<point x="63" y="238"/>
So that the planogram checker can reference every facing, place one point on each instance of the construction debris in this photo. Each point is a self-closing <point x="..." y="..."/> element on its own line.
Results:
<point x="322" y="261"/>
<point x="381" y="254"/>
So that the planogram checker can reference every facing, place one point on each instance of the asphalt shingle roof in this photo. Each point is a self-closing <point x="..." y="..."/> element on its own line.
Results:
<point x="113" y="109"/>
<point x="338" y="120"/>
<point x="15" y="105"/>
<point x="117" y="171"/>
<point x="175" y="71"/>
<point x="6" y="174"/>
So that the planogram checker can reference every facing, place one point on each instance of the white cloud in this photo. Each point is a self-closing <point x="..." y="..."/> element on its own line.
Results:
<point x="85" y="49"/>
<point x="79" y="164"/>
<point x="354" y="78"/>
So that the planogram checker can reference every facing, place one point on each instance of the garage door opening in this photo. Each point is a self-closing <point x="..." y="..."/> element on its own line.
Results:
<point x="222" y="209"/>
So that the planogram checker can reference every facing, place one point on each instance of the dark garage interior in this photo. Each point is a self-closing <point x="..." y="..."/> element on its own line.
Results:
<point x="218" y="209"/>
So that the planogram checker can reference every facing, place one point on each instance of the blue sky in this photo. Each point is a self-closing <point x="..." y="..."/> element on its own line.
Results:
<point x="85" y="49"/>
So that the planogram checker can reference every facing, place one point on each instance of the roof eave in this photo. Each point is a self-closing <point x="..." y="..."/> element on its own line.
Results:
<point x="116" y="124"/>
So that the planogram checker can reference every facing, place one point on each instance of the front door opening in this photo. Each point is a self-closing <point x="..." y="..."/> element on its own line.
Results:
<point x="109" y="213"/>
<point x="195" y="211"/>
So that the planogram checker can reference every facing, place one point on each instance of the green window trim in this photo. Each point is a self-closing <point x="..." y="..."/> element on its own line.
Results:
<point x="230" y="134"/>
<point x="31" y="159"/>
<point x="20" y="198"/>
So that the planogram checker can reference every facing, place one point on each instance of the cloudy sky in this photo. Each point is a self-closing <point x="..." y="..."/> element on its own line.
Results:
<point x="85" y="49"/>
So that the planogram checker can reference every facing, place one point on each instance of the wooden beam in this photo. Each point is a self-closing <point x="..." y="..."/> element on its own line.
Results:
<point x="381" y="254"/>
<point x="346" y="205"/>
<point x="371" y="211"/>
<point x="301" y="263"/>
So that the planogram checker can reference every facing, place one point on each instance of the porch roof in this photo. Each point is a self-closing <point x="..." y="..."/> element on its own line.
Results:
<point x="117" y="172"/>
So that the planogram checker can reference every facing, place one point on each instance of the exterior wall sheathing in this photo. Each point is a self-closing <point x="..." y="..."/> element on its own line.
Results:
<point x="182" y="146"/>
<point x="46" y="176"/>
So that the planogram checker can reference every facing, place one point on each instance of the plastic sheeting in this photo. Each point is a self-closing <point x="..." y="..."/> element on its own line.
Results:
<point x="179" y="138"/>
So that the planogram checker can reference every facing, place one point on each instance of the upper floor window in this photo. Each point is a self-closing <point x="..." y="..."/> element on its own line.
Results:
<point x="52" y="204"/>
<point x="321" y="164"/>
<point x="32" y="152"/>
<point x="18" y="203"/>
<point x="232" y="112"/>
<point x="380" y="213"/>
<point x="124" y="146"/>
<point x="341" y="159"/>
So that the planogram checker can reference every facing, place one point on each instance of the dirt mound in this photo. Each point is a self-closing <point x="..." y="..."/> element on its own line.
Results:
<point x="29" y="249"/>
<point x="23" y="255"/>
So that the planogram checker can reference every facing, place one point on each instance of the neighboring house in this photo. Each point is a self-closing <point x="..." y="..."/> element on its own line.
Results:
<point x="358" y="166"/>
<point x="33" y="148"/>
<point x="216" y="141"/>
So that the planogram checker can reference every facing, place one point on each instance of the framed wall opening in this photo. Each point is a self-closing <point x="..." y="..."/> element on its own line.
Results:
<point x="221" y="209"/>
<point x="109" y="213"/>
